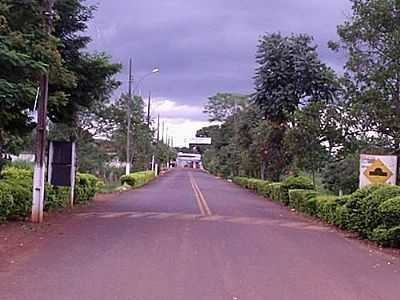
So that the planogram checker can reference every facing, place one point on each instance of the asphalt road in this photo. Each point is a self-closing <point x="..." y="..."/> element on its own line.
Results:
<point x="189" y="235"/>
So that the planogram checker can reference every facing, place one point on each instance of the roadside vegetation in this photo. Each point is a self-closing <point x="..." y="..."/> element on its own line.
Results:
<point x="16" y="192"/>
<point x="372" y="212"/>
<point x="298" y="138"/>
<point x="138" y="179"/>
<point x="304" y="118"/>
<point x="81" y="105"/>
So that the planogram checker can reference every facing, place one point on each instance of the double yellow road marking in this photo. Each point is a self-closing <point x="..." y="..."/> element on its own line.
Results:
<point x="201" y="201"/>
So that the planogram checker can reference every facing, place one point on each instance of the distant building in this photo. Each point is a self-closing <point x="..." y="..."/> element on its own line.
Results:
<point x="189" y="160"/>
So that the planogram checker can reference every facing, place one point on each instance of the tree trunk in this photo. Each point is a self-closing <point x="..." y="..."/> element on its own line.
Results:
<point x="262" y="170"/>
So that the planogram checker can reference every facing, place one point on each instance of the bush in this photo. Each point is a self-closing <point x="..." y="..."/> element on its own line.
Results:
<point x="373" y="212"/>
<point x="292" y="183"/>
<point x="342" y="212"/>
<point x="342" y="175"/>
<point x="15" y="199"/>
<point x="240" y="181"/>
<point x="326" y="208"/>
<point x="389" y="212"/>
<point x="277" y="191"/>
<point x="14" y="172"/>
<point x="298" y="198"/>
<point x="255" y="184"/>
<point x="387" y="237"/>
<point x="87" y="186"/>
<point x="138" y="179"/>
<point x="351" y="214"/>
<point x="16" y="193"/>
<point x="273" y="191"/>
<point x="55" y="198"/>
<point x="369" y="208"/>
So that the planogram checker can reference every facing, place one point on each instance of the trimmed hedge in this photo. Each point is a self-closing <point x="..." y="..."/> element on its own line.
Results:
<point x="299" y="199"/>
<point x="373" y="212"/>
<point x="138" y="179"/>
<point x="292" y="183"/>
<point x="277" y="191"/>
<point x="273" y="191"/>
<point x="389" y="212"/>
<point x="372" y="216"/>
<point x="16" y="193"/>
<point x="253" y="184"/>
<point x="387" y="237"/>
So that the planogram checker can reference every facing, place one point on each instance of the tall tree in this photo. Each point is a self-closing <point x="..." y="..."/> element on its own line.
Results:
<point x="371" y="38"/>
<point x="141" y="135"/>
<point x="26" y="52"/>
<point x="289" y="74"/>
<point x="94" y="72"/>
<point x="223" y="105"/>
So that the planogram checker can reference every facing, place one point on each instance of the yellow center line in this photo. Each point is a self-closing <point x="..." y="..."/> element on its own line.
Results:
<point x="201" y="201"/>
<point x="206" y="207"/>
<point x="199" y="204"/>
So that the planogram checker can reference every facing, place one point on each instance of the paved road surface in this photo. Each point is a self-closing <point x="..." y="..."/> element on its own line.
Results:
<point x="189" y="235"/>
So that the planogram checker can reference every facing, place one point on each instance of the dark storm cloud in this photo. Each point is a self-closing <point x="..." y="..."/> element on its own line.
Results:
<point x="206" y="46"/>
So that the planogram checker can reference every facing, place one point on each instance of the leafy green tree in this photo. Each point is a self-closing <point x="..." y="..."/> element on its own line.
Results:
<point x="80" y="82"/>
<point x="141" y="135"/>
<point x="371" y="40"/>
<point x="342" y="174"/>
<point x="94" y="72"/>
<point x="26" y="53"/>
<point x="289" y="74"/>
<point x="231" y="152"/>
<point x="223" y="105"/>
<point x="306" y="142"/>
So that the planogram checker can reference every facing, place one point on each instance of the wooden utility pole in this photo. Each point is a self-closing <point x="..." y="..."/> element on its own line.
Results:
<point x="128" y="130"/>
<point x="162" y="136"/>
<point x="40" y="138"/>
<point x="148" y="110"/>
<point x="158" y="128"/>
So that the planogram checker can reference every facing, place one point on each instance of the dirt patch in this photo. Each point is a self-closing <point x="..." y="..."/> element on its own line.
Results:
<point x="19" y="240"/>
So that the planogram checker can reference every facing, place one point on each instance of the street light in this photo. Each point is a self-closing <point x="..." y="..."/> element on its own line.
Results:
<point x="155" y="70"/>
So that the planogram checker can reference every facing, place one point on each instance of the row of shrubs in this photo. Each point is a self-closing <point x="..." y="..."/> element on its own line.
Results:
<point x="16" y="193"/>
<point x="372" y="212"/>
<point x="138" y="179"/>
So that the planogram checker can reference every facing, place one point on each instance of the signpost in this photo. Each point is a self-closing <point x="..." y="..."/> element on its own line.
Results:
<point x="200" y="141"/>
<point x="61" y="170"/>
<point x="378" y="169"/>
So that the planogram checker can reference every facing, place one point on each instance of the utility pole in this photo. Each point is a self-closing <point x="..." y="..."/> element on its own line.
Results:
<point x="162" y="136"/>
<point x="148" y="110"/>
<point x="128" y="130"/>
<point x="40" y="139"/>
<point x="158" y="128"/>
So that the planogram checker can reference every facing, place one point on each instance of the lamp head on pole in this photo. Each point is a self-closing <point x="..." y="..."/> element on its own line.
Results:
<point x="155" y="70"/>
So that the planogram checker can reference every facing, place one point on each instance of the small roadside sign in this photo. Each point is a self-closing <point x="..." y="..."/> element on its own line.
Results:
<point x="378" y="169"/>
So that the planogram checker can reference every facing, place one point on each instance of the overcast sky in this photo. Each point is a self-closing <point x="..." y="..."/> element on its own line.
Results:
<point x="203" y="46"/>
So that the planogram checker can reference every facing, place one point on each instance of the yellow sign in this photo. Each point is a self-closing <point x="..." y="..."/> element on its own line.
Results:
<point x="377" y="172"/>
